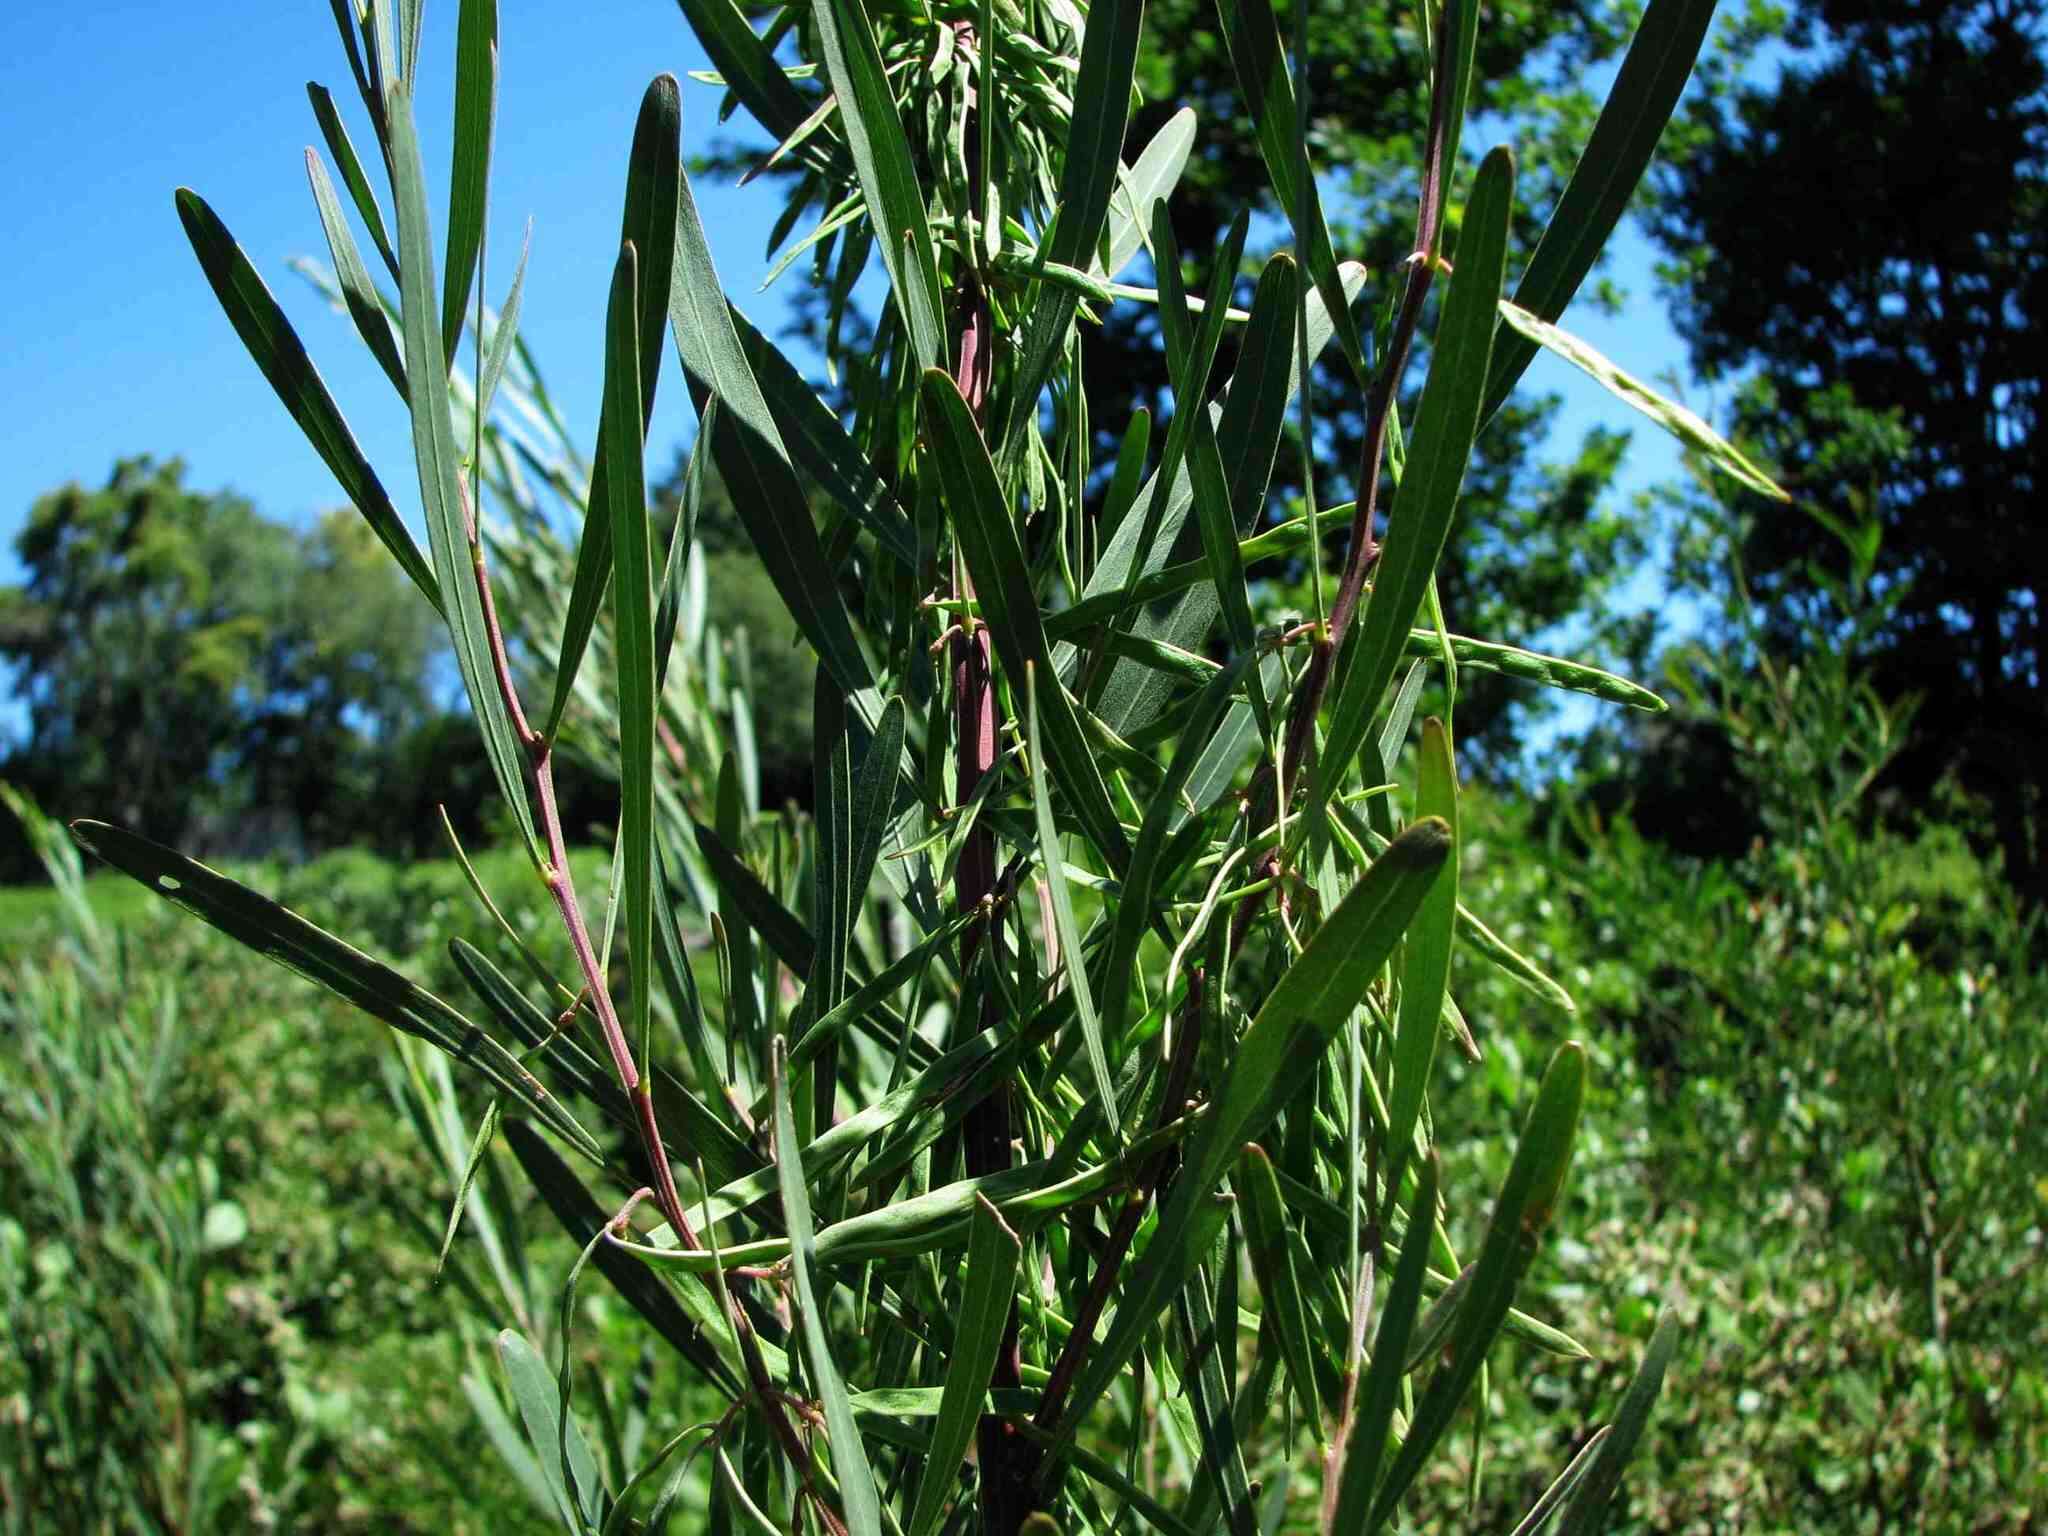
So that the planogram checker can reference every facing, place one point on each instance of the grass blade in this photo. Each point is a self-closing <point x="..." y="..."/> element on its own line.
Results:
<point x="1512" y="1236"/>
<point x="262" y="925"/>
<point x="1002" y="582"/>
<point x="1586" y="1515"/>
<point x="653" y="191"/>
<point x="1653" y="72"/>
<point x="469" y="173"/>
<point x="1425" y="961"/>
<point x="888" y="179"/>
<point x="984" y="1307"/>
<point x="849" y="1460"/>
<point x="1279" y="1052"/>
<point x="451" y="531"/>
<point x="275" y="346"/>
<point x="1446" y="422"/>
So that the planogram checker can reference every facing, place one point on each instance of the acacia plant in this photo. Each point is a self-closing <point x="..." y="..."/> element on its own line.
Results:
<point x="1062" y="1102"/>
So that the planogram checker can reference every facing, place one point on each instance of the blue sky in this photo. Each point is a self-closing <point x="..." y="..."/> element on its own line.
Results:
<point x="119" y="348"/>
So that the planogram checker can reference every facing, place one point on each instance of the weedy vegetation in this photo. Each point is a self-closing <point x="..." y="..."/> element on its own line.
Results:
<point x="1055" y="1149"/>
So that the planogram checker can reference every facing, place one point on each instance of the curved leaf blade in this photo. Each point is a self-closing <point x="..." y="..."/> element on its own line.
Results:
<point x="849" y="1459"/>
<point x="1446" y="422"/>
<point x="1653" y="73"/>
<point x="984" y="1308"/>
<point x="271" y="341"/>
<point x="263" y="925"/>
<point x="1279" y="1052"/>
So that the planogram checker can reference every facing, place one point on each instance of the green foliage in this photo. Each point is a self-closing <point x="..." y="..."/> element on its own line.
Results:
<point x="1831" y="1040"/>
<point x="183" y="658"/>
<point x="810" y="1182"/>
<point x="216" y="1263"/>
<point x="1891" y="350"/>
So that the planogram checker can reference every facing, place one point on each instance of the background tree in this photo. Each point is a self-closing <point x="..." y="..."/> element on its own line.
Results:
<point x="1856" y="236"/>
<point x="184" y="658"/>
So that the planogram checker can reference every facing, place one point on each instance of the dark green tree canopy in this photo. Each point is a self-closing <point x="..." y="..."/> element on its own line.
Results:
<point x="1861" y="237"/>
<point x="181" y="656"/>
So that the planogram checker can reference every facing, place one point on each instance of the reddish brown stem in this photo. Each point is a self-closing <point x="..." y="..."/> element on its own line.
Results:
<point x="561" y="886"/>
<point x="1263" y="794"/>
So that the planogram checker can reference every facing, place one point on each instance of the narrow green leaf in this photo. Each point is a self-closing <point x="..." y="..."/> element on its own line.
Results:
<point x="1053" y="862"/>
<point x="620" y="451"/>
<point x="1446" y="422"/>
<point x="275" y="346"/>
<point x="1668" y="414"/>
<point x="1261" y="68"/>
<point x="1137" y="902"/>
<point x="469" y="174"/>
<point x="1586" y="1515"/>
<point x="339" y="145"/>
<point x="1281" y="1050"/>
<point x="1247" y="431"/>
<point x="1088" y="175"/>
<point x="1150" y="179"/>
<point x="785" y="932"/>
<point x="747" y="446"/>
<point x="1653" y="73"/>
<point x="1379" y="1393"/>
<point x="874" y="793"/>
<point x="1535" y="667"/>
<point x="1130" y="469"/>
<point x="1266" y="1233"/>
<point x="269" y="929"/>
<point x="983" y="1309"/>
<point x="1523" y="1210"/>
<point x="849" y="1460"/>
<point x="1561" y="1487"/>
<point x="358" y="292"/>
<point x="505" y="333"/>
<point x="1120" y="552"/>
<point x="819" y="445"/>
<point x="648" y="225"/>
<point x="1425" y="961"/>
<point x="577" y="1486"/>
<point x="747" y="65"/>
<point x="486" y="1128"/>
<point x="888" y="178"/>
<point x="581" y="1217"/>
<point x="1002" y="583"/>
<point x="914" y="962"/>
<point x="451" y="534"/>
